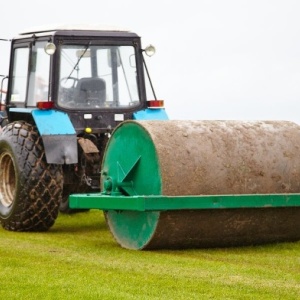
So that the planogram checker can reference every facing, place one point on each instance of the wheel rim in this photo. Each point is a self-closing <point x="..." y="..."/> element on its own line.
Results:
<point x="7" y="179"/>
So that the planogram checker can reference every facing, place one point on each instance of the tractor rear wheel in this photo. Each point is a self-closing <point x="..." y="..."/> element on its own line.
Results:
<point x="30" y="188"/>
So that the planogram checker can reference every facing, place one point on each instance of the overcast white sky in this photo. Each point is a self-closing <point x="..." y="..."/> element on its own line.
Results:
<point x="216" y="59"/>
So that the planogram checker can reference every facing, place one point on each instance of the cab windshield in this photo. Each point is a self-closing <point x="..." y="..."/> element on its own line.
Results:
<point x="94" y="76"/>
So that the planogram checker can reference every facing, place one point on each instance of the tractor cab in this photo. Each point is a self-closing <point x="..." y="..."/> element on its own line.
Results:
<point x="94" y="75"/>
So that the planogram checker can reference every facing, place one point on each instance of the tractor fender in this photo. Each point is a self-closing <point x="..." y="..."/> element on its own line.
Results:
<point x="151" y="114"/>
<point x="58" y="135"/>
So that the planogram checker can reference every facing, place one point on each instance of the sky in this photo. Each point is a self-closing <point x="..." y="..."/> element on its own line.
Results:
<point x="215" y="59"/>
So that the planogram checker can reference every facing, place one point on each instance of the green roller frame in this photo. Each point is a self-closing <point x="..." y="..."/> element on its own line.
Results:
<point x="163" y="203"/>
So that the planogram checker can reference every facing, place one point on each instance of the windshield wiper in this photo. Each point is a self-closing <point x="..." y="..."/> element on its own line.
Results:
<point x="86" y="48"/>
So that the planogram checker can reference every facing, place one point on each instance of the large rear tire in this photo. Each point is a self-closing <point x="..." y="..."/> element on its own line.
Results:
<point x="30" y="188"/>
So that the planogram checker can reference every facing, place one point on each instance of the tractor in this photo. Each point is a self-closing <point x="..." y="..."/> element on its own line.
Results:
<point x="68" y="88"/>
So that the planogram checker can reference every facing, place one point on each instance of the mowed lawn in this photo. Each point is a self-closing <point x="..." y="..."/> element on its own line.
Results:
<point x="79" y="259"/>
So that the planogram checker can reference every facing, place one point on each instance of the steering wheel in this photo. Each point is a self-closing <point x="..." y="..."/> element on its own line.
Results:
<point x="68" y="85"/>
<point x="68" y="82"/>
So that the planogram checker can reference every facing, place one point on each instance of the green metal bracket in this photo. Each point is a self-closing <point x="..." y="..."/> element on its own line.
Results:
<point x="124" y="181"/>
<point x="163" y="203"/>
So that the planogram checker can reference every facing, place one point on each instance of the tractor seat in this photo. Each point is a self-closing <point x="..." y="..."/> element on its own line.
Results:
<point x="90" y="91"/>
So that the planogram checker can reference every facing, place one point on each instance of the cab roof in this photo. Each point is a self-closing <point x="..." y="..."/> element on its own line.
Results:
<point x="72" y="27"/>
<point x="75" y="29"/>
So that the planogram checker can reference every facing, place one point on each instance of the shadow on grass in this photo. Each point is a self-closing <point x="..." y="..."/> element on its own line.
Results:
<point x="81" y="222"/>
<point x="79" y="228"/>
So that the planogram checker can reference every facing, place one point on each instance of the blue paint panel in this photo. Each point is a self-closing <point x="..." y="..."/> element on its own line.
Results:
<point x="51" y="122"/>
<point x="151" y="114"/>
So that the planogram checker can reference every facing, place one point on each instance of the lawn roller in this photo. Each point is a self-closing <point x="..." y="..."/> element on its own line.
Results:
<point x="199" y="184"/>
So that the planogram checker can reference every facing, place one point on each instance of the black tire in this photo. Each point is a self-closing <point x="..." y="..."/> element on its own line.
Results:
<point x="64" y="204"/>
<point x="30" y="188"/>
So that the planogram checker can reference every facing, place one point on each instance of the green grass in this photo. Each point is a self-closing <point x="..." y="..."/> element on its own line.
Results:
<point x="79" y="259"/>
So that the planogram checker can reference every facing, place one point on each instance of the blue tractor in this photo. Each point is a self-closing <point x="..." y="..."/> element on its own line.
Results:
<point x="68" y="88"/>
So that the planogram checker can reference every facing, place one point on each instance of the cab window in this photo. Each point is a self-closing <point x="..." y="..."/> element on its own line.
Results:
<point x="30" y="71"/>
<point x="20" y="75"/>
<point x="39" y="75"/>
<point x="96" y="76"/>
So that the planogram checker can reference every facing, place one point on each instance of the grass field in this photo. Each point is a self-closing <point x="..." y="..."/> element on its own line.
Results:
<point x="79" y="259"/>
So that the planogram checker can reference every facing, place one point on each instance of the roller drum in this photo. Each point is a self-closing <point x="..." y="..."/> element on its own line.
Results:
<point x="205" y="158"/>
